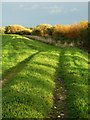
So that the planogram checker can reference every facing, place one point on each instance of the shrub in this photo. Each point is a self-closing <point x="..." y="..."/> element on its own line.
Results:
<point x="74" y="33"/>
<point x="24" y="32"/>
<point x="44" y="29"/>
<point x="57" y="33"/>
<point x="12" y="29"/>
<point x="84" y="37"/>
<point x="49" y="31"/>
<point x="36" y="31"/>
<point x="2" y="30"/>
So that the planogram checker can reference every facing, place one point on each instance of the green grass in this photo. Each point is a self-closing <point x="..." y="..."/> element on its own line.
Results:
<point x="73" y="69"/>
<point x="29" y="94"/>
<point x="15" y="49"/>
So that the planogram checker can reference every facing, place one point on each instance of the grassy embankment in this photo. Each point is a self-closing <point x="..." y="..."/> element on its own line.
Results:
<point x="30" y="68"/>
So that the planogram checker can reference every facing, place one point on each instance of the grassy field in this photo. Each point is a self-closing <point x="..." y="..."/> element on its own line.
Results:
<point x="30" y="67"/>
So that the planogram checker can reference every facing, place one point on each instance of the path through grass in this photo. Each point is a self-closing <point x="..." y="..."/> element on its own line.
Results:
<point x="30" y="93"/>
<point x="73" y="69"/>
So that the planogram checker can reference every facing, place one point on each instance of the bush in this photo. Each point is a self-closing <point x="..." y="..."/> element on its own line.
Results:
<point x="24" y="32"/>
<point x="12" y="29"/>
<point x="58" y="33"/>
<point x="49" y="31"/>
<point x="74" y="32"/>
<point x="2" y="30"/>
<point x="43" y="28"/>
<point x="36" y="31"/>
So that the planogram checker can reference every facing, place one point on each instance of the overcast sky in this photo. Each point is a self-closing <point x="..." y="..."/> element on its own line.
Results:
<point x="33" y="13"/>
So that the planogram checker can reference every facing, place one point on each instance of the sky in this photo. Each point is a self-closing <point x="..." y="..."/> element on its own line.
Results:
<point x="30" y="14"/>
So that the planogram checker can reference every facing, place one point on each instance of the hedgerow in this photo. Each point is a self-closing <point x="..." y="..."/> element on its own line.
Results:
<point x="76" y="34"/>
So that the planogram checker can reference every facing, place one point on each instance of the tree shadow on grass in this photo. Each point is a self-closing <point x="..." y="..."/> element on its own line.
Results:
<point x="75" y="79"/>
<point x="26" y="103"/>
<point x="71" y="92"/>
<point x="31" y="43"/>
<point x="12" y="72"/>
<point x="37" y="89"/>
<point x="28" y="93"/>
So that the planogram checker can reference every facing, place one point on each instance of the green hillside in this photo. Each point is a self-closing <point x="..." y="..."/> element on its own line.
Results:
<point x="30" y="69"/>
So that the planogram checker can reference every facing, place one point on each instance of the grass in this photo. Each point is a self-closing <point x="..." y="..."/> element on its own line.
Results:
<point x="14" y="51"/>
<point x="74" y="72"/>
<point x="29" y="93"/>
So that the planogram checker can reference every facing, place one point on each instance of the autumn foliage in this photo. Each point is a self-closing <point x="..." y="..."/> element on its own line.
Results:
<point x="17" y="29"/>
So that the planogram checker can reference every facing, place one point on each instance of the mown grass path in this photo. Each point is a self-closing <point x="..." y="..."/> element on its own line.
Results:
<point x="52" y="83"/>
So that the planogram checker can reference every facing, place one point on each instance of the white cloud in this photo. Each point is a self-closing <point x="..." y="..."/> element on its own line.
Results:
<point x="55" y="9"/>
<point x="35" y="6"/>
<point x="50" y="9"/>
<point x="29" y="7"/>
<point x="74" y="10"/>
